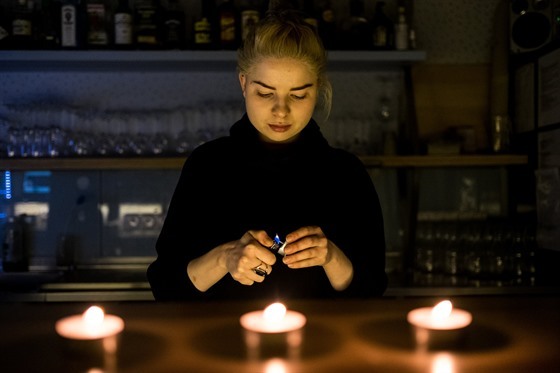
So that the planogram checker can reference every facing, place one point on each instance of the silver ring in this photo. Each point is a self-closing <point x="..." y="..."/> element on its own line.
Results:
<point x="259" y="271"/>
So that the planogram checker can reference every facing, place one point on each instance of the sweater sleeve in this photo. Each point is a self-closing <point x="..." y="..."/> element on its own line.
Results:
<point x="179" y="239"/>
<point x="361" y="233"/>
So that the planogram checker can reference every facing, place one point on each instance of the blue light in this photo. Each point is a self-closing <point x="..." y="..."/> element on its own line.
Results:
<point x="8" y="184"/>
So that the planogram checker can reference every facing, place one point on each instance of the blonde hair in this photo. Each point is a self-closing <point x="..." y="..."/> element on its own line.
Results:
<point x="284" y="34"/>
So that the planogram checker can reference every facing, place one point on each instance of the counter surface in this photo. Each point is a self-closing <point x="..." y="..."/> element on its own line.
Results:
<point x="508" y="334"/>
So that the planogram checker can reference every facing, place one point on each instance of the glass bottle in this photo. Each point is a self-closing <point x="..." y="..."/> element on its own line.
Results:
<point x="22" y="24"/>
<point x="203" y="35"/>
<point x="355" y="30"/>
<point x="327" y="25"/>
<point x="249" y="16"/>
<point x="147" y="24"/>
<point x="72" y="24"/>
<point x="97" y="35"/>
<point x="310" y="14"/>
<point x="382" y="28"/>
<point x="401" y="31"/>
<point x="122" y="23"/>
<point x="174" y="26"/>
<point x="48" y="34"/>
<point x="227" y="25"/>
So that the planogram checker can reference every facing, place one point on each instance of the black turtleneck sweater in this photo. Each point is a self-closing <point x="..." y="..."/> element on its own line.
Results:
<point x="236" y="183"/>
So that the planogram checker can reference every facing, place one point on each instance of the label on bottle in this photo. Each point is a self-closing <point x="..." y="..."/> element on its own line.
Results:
<point x="202" y="32"/>
<point x="248" y="19"/>
<point x="227" y="28"/>
<point x="68" y="22"/>
<point x="173" y="31"/>
<point x="146" y="26"/>
<point x="401" y="37"/>
<point x="97" y="35"/>
<point x="123" y="29"/>
<point x="380" y="37"/>
<point x="21" y="27"/>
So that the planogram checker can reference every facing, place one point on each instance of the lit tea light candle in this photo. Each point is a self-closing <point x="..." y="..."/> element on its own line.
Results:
<point x="442" y="325"/>
<point x="91" y="325"/>
<point x="441" y="317"/>
<point x="273" y="319"/>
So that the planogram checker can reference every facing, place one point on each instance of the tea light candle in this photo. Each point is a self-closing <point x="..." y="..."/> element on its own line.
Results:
<point x="91" y="325"/>
<point x="275" y="331"/>
<point x="441" y="317"/>
<point x="441" y="325"/>
<point x="273" y="319"/>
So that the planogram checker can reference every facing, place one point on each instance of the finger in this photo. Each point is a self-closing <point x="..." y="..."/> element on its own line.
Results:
<point x="261" y="237"/>
<point x="302" y="232"/>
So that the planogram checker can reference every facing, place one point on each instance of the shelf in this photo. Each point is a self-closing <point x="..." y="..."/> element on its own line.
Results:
<point x="175" y="163"/>
<point x="172" y="60"/>
<point x="446" y="160"/>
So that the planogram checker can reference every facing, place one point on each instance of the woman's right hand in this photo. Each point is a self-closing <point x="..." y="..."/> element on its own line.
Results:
<point x="246" y="254"/>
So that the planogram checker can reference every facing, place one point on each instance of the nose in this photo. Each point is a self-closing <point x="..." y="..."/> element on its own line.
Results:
<point x="281" y="108"/>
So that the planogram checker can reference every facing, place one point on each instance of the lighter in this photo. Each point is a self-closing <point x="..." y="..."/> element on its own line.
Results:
<point x="278" y="246"/>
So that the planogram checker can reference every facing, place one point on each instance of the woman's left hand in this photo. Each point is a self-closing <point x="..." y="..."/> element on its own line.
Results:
<point x="307" y="247"/>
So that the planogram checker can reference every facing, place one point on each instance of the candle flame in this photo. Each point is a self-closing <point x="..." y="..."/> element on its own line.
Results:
<point x="274" y="312"/>
<point x="442" y="310"/>
<point x="93" y="317"/>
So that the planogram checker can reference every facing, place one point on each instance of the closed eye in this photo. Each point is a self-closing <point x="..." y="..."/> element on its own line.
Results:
<point x="264" y="95"/>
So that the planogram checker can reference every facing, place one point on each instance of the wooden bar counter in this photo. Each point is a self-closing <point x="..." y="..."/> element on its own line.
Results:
<point x="508" y="334"/>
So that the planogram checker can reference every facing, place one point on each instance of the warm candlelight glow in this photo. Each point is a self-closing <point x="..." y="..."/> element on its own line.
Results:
<point x="274" y="313"/>
<point x="275" y="366"/>
<point x="443" y="363"/>
<point x="441" y="317"/>
<point x="93" y="318"/>
<point x="442" y="311"/>
<point x="275" y="318"/>
<point x="92" y="324"/>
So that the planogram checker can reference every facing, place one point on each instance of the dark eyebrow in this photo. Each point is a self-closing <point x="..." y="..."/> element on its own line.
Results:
<point x="291" y="89"/>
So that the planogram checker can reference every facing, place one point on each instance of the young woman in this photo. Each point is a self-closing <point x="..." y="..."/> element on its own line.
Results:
<point x="275" y="174"/>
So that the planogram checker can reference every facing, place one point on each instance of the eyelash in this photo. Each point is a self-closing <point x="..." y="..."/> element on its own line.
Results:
<point x="268" y="95"/>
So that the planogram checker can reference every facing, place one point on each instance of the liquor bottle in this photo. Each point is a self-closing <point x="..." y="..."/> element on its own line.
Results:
<point x="310" y="15"/>
<point x="327" y="26"/>
<point x="122" y="22"/>
<point x="71" y="24"/>
<point x="227" y="25"/>
<point x="22" y="25"/>
<point x="401" y="31"/>
<point x="249" y="16"/>
<point x="355" y="30"/>
<point x="382" y="27"/>
<point x="147" y="24"/>
<point x="97" y="35"/>
<point x="203" y="37"/>
<point x="49" y="34"/>
<point x="174" y="26"/>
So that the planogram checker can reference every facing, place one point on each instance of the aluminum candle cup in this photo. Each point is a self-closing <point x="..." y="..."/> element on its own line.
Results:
<point x="439" y="327"/>
<point x="274" y="331"/>
<point x="92" y="333"/>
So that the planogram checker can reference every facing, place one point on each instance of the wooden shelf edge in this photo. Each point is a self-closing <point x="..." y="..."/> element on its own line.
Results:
<point x="176" y="163"/>
<point x="445" y="160"/>
<point x="57" y="164"/>
<point x="165" y="60"/>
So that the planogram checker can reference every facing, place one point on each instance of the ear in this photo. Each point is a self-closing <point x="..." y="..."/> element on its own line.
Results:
<point x="242" y="81"/>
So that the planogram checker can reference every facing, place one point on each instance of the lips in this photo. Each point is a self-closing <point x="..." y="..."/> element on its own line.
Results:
<point x="279" y="127"/>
